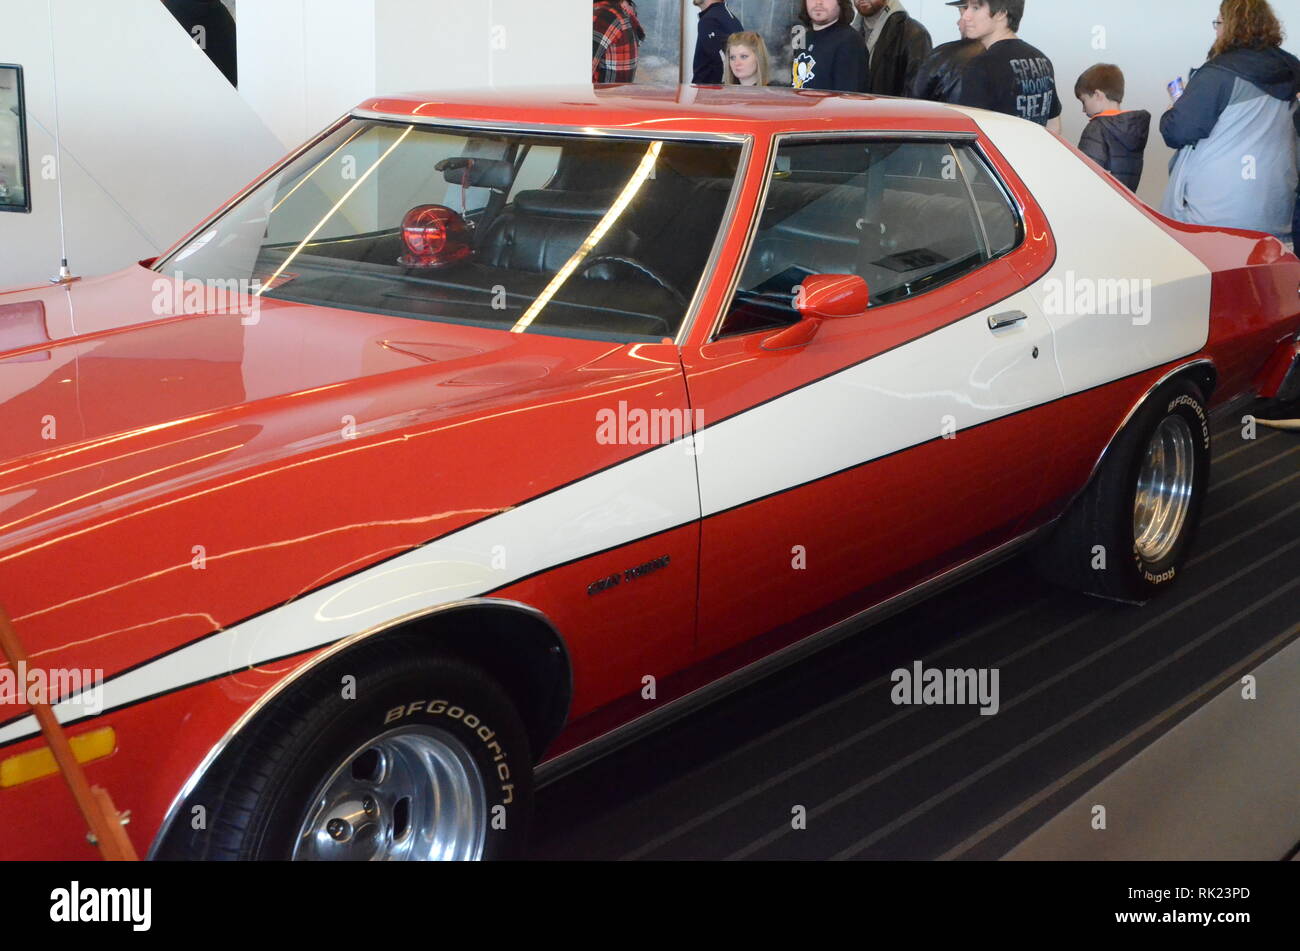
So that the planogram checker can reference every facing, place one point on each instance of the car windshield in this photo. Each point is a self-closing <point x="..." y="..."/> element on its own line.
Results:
<point x="596" y="237"/>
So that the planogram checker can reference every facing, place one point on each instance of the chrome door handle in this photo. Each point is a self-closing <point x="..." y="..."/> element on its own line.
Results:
<point x="999" y="321"/>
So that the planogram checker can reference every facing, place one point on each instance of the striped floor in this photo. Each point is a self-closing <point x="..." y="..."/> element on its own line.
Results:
<point x="1084" y="685"/>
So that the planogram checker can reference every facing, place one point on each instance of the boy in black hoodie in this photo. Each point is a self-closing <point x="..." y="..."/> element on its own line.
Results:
<point x="1114" y="139"/>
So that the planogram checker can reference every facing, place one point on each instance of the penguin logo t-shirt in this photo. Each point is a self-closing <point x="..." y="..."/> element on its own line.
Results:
<point x="805" y="70"/>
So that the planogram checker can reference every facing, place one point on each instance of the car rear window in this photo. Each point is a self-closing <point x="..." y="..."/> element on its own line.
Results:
<point x="596" y="237"/>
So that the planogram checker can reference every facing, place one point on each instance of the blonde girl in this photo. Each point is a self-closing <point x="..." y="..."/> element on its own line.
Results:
<point x="746" y="61"/>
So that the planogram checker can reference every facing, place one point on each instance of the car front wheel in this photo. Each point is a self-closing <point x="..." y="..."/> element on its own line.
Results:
<point x="385" y="753"/>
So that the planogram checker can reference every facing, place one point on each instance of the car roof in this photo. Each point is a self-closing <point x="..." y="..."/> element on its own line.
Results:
<point x="695" y="109"/>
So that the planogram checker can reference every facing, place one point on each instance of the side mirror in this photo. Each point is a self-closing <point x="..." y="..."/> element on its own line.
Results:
<point x="822" y="297"/>
<point x="828" y="296"/>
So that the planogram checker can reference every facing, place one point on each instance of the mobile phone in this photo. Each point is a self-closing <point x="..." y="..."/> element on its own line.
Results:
<point x="1176" y="89"/>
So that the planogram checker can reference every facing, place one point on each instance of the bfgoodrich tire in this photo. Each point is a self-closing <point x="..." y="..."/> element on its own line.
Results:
<point x="422" y="757"/>
<point x="1128" y="536"/>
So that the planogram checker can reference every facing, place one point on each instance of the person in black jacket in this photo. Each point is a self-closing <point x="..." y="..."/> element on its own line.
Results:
<point x="210" y="24"/>
<point x="939" y="78"/>
<point x="717" y="22"/>
<point x="1114" y="139"/>
<point x="896" y="44"/>
<point x="1011" y="76"/>
<point x="828" y="53"/>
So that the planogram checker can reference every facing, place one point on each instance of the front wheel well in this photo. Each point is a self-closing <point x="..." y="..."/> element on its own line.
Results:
<point x="516" y="646"/>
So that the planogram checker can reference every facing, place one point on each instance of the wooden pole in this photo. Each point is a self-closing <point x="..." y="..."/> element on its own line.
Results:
<point x="95" y="804"/>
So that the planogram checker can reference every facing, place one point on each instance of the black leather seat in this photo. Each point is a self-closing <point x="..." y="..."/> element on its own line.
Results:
<point x="541" y="230"/>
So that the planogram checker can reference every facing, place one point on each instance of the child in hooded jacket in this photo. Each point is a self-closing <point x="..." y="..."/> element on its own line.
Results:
<point x="1114" y="138"/>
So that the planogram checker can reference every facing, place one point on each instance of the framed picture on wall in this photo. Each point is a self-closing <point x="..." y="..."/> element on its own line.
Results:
<point x="15" y="182"/>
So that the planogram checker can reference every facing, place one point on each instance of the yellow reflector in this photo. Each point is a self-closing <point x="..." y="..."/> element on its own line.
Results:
<point x="37" y="763"/>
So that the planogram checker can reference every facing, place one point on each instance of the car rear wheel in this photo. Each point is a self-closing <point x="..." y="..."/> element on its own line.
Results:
<point x="1128" y="536"/>
<point x="385" y="753"/>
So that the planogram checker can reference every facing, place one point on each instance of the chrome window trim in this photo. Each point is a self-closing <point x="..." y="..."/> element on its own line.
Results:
<point x="1014" y="203"/>
<point x="878" y="134"/>
<point x="921" y="135"/>
<point x="975" y="205"/>
<point x="751" y="234"/>
<point x="544" y="128"/>
<point x="719" y="242"/>
<point x="283" y="684"/>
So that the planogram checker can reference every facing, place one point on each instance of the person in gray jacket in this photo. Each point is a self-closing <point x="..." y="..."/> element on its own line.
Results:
<point x="1233" y="128"/>
<point x="1295" y="220"/>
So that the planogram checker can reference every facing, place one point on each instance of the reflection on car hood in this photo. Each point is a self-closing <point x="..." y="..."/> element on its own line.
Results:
<point x="101" y="399"/>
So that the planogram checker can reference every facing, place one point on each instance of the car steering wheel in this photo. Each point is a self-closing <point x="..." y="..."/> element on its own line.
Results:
<point x="678" y="298"/>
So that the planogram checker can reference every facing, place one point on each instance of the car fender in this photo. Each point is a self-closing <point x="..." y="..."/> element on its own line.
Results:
<point x="284" y="684"/>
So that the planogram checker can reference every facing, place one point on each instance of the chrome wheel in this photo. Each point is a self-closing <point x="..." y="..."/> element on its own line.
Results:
<point x="1165" y="485"/>
<point x="412" y="794"/>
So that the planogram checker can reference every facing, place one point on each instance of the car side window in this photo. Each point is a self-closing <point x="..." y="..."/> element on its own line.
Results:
<point x="907" y="216"/>
<point x="1001" y="221"/>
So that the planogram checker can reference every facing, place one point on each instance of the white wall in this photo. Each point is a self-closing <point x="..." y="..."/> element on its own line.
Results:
<point x="300" y="62"/>
<point x="303" y="64"/>
<point x="154" y="138"/>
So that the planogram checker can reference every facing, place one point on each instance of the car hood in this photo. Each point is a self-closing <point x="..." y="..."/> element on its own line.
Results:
<point x="101" y="399"/>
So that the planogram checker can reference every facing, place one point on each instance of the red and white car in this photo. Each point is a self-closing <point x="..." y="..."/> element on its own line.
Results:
<point x="488" y="430"/>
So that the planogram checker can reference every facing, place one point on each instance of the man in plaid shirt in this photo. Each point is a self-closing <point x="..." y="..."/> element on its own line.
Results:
<point x="615" y="37"/>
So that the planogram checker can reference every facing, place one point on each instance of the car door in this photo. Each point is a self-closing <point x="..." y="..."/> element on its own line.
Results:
<point x="896" y="443"/>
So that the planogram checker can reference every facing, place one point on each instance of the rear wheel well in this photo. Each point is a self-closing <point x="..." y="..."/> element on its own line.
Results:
<point x="1204" y="375"/>
<point x="521" y="650"/>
